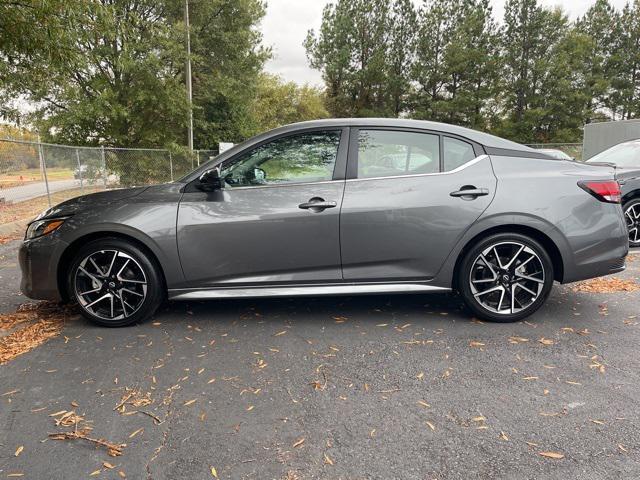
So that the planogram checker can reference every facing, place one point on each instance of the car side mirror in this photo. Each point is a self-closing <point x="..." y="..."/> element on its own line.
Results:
<point x="210" y="180"/>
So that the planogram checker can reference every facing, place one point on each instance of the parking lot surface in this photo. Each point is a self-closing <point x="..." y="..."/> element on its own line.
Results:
<point x="372" y="387"/>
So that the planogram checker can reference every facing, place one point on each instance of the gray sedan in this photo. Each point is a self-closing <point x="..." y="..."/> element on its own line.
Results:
<point x="333" y="207"/>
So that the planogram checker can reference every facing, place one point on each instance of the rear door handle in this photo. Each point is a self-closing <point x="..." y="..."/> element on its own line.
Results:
<point x="470" y="192"/>
<point x="317" y="204"/>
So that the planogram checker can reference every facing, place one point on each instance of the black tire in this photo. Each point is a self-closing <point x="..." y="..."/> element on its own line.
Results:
<point x="136" y="267"/>
<point x="633" y="222"/>
<point x="475" y="274"/>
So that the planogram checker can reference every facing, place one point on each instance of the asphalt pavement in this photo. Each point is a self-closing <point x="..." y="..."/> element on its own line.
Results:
<point x="373" y="387"/>
<point x="36" y="189"/>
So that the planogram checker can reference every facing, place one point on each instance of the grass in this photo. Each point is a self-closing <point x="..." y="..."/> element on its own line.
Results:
<point x="28" y="175"/>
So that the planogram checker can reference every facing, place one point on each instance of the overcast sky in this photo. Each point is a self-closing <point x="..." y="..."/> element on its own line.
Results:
<point x="286" y="24"/>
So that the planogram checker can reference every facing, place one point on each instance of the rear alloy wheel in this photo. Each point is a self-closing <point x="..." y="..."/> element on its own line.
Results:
<point x="506" y="277"/>
<point x="115" y="283"/>
<point x="632" y="216"/>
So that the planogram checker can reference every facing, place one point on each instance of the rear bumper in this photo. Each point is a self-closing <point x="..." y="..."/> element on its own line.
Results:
<point x="602" y="258"/>
<point x="38" y="261"/>
<point x="598" y="269"/>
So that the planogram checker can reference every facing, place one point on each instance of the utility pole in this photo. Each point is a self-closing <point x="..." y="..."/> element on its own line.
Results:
<point x="188" y="75"/>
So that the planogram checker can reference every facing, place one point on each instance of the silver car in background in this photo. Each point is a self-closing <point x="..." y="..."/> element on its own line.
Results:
<point x="343" y="206"/>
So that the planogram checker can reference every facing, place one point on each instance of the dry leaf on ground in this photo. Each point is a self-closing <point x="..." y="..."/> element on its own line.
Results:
<point x="554" y="455"/>
<point x="606" y="285"/>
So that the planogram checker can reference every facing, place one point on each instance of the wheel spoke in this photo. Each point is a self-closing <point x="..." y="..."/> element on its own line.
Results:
<point x="89" y="291"/>
<point x="486" y="262"/>
<point x="105" y="296"/>
<point x="501" y="298"/>
<point x="525" y="289"/>
<point x="489" y="290"/>
<point x="495" y="252"/>
<point x="113" y="260"/>
<point x="90" y="275"/>
<point x="131" y="292"/>
<point x="506" y="267"/>
<point x="528" y="277"/>
<point x="95" y="265"/>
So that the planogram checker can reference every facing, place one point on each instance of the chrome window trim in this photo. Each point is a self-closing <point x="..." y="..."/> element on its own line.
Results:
<point x="455" y="170"/>
<point x="310" y="290"/>
<point x="291" y="184"/>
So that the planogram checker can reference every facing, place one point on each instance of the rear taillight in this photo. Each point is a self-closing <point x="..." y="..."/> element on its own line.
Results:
<point x="604" y="190"/>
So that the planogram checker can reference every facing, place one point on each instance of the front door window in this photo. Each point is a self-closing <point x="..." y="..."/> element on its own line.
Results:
<point x="302" y="158"/>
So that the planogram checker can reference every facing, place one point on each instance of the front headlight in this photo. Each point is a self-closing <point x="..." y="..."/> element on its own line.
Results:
<point x="39" y="228"/>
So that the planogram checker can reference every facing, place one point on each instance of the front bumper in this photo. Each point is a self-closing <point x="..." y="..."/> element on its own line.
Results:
<point x="38" y="259"/>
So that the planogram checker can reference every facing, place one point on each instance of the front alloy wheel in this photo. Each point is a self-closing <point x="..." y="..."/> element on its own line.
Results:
<point x="506" y="277"/>
<point x="632" y="217"/>
<point x="110" y="284"/>
<point x="115" y="283"/>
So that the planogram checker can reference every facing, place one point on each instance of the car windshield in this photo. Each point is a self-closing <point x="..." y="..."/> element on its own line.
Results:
<point x="623" y="155"/>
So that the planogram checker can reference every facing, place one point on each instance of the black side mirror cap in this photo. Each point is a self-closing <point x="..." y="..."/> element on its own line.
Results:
<point x="210" y="181"/>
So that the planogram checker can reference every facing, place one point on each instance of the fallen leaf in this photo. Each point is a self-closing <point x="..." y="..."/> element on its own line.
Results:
<point x="280" y="333"/>
<point x="214" y="472"/>
<point x="108" y="465"/>
<point x="423" y="403"/>
<point x="554" y="455"/>
<point x="18" y="451"/>
<point x="327" y="460"/>
<point x="546" y="341"/>
<point x="473" y="343"/>
<point x="430" y="425"/>
<point x="94" y="473"/>
<point x="136" y="432"/>
<point x="190" y="402"/>
<point x="504" y="437"/>
<point x="298" y="443"/>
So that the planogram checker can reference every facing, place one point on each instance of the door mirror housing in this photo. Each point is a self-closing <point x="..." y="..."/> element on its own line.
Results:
<point x="210" y="180"/>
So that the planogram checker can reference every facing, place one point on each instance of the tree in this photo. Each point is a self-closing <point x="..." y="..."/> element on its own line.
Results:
<point x="531" y="33"/>
<point x="26" y="47"/>
<point x="400" y="54"/>
<point x="625" y="60"/>
<point x="438" y="20"/>
<point x="364" y="51"/>
<point x="111" y="72"/>
<point x="227" y="58"/>
<point x="278" y="103"/>
<point x="599" y="25"/>
<point x="457" y="62"/>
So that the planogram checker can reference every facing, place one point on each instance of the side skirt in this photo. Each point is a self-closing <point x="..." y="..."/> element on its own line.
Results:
<point x="305" y="290"/>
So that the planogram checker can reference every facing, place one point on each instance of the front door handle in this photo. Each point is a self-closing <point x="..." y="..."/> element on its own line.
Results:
<point x="470" y="192"/>
<point x="317" y="204"/>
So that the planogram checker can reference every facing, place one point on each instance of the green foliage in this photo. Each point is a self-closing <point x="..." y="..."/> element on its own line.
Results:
<point x="112" y="72"/>
<point x="535" y="77"/>
<point x="278" y="103"/>
<point x="363" y="47"/>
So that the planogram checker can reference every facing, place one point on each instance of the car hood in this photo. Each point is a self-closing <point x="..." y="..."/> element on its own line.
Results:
<point x="92" y="200"/>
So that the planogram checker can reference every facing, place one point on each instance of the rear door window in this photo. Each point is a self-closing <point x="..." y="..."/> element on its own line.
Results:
<point x="388" y="153"/>
<point x="456" y="153"/>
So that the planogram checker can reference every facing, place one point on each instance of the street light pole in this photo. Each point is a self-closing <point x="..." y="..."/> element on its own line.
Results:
<point x="188" y="75"/>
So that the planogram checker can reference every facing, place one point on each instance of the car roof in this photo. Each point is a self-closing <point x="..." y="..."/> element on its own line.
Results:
<point x="482" y="138"/>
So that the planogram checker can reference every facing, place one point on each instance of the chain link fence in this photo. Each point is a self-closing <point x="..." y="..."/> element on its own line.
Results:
<point x="34" y="176"/>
